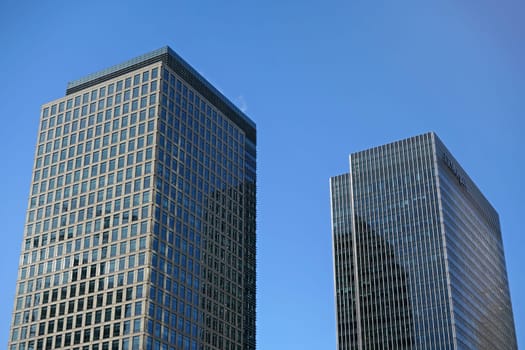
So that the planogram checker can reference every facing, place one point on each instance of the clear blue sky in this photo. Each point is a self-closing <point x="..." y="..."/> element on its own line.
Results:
<point x="321" y="79"/>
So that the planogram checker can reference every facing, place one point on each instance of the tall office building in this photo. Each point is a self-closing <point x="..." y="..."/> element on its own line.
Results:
<point x="140" y="230"/>
<point x="418" y="254"/>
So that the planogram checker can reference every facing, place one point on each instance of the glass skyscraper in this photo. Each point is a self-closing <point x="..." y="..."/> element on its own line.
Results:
<point x="140" y="230"/>
<point x="418" y="254"/>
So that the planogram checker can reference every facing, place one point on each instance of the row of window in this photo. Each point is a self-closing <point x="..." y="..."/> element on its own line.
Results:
<point x="99" y="120"/>
<point x="126" y="159"/>
<point x="199" y="103"/>
<point x="92" y="183"/>
<point x="125" y="131"/>
<point x="210" y="151"/>
<point x="106" y="112"/>
<point x="169" y="334"/>
<point x="78" y="274"/>
<point x="177" y="112"/>
<point x="229" y="133"/>
<point x="96" y="225"/>
<point x="80" y="289"/>
<point x="87" y="336"/>
<point x="82" y="207"/>
<point x="174" y="204"/>
<point x="81" y="307"/>
<point x="117" y="139"/>
<point x="131" y="190"/>
<point x="189" y="123"/>
<point x="110" y="145"/>
<point x="52" y="135"/>
<point x="58" y="201"/>
<point x="56" y="265"/>
<point x="79" y="200"/>
<point x="101" y="92"/>
<point x="42" y="241"/>
<point x="92" y="212"/>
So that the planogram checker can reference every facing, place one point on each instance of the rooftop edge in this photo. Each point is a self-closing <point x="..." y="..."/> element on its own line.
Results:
<point x="182" y="68"/>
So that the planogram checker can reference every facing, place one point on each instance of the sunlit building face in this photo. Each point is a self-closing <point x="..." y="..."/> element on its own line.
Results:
<point x="140" y="230"/>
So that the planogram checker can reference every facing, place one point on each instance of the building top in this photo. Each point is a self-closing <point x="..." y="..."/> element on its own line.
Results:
<point x="449" y="163"/>
<point x="184" y="70"/>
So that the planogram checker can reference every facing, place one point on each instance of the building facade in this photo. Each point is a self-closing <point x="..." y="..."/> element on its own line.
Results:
<point x="140" y="230"/>
<point x="418" y="254"/>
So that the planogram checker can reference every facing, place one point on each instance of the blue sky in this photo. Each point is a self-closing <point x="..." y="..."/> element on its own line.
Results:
<point x="321" y="80"/>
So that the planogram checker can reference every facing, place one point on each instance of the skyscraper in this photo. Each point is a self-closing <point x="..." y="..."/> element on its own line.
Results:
<point x="418" y="254"/>
<point x="140" y="230"/>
